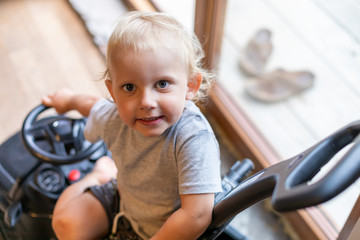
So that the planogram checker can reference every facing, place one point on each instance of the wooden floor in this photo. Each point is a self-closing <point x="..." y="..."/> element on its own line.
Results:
<point x="321" y="36"/>
<point x="43" y="47"/>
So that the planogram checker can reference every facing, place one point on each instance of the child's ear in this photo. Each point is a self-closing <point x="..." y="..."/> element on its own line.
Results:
<point x="193" y="86"/>
<point x="109" y="86"/>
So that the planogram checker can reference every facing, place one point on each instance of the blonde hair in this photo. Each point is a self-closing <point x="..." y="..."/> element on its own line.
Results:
<point x="138" y="31"/>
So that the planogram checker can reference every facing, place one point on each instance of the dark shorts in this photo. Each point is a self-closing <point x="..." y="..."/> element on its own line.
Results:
<point x="108" y="196"/>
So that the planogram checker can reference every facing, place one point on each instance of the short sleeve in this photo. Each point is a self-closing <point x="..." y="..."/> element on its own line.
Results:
<point x="100" y="114"/>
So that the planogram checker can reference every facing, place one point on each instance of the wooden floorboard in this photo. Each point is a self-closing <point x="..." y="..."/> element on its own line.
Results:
<point x="43" y="47"/>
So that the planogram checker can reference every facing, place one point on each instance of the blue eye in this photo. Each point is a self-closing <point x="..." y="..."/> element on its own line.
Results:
<point x="162" y="84"/>
<point x="128" y="87"/>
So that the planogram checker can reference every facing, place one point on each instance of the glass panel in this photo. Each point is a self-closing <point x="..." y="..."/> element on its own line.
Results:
<point x="293" y="68"/>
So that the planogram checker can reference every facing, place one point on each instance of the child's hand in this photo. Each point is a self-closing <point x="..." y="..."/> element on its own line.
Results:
<point x="104" y="170"/>
<point x="61" y="100"/>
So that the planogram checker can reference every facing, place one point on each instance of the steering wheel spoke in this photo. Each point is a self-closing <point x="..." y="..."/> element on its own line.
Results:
<point x="78" y="134"/>
<point x="59" y="148"/>
<point x="38" y="132"/>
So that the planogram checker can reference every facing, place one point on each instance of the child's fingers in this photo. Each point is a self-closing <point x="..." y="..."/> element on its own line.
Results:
<point x="47" y="101"/>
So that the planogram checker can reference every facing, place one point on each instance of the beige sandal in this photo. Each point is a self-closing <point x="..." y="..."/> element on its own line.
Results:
<point x="279" y="85"/>
<point x="253" y="59"/>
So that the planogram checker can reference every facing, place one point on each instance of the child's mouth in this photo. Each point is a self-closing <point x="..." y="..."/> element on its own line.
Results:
<point x="150" y="121"/>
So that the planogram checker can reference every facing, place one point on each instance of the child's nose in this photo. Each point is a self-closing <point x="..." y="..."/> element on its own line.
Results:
<point x="148" y="100"/>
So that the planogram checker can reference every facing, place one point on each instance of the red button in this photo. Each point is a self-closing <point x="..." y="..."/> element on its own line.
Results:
<point x="74" y="175"/>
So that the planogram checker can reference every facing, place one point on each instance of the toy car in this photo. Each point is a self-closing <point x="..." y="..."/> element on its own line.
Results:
<point x="36" y="165"/>
<point x="50" y="153"/>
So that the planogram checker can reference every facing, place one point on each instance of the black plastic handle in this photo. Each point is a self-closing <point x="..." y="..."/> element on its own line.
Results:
<point x="293" y="190"/>
<point x="288" y="181"/>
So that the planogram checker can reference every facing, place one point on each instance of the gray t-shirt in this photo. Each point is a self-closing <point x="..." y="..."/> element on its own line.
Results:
<point x="153" y="171"/>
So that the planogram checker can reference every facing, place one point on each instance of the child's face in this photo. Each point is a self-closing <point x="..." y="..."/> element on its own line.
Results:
<point x="150" y="88"/>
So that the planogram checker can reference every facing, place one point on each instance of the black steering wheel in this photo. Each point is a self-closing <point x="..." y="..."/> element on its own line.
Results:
<point x="63" y="134"/>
